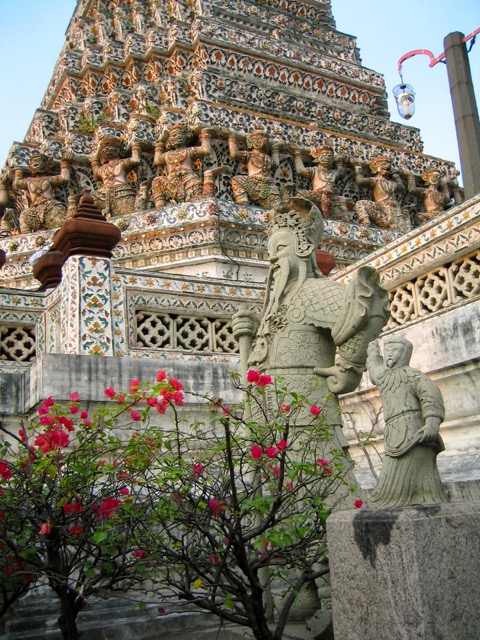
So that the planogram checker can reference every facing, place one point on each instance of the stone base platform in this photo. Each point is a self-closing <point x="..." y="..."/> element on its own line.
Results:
<point x="408" y="574"/>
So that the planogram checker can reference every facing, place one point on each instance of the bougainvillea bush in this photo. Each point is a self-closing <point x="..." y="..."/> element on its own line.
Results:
<point x="214" y="514"/>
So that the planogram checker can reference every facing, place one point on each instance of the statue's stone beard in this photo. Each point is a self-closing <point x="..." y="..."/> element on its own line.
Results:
<point x="282" y="285"/>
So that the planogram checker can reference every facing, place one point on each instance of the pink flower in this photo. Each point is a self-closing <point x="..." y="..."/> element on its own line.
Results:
<point x="322" y="462"/>
<point x="47" y="420"/>
<point x="162" y="406"/>
<point x="110" y="393"/>
<point x="276" y="471"/>
<point x="286" y="408"/>
<point x="271" y="452"/>
<point x="120" y="398"/>
<point x="45" y="529"/>
<point x="282" y="445"/>
<point x="213" y="558"/>
<point x="124" y="491"/>
<point x="256" y="451"/>
<point x="74" y="530"/>
<point x="84" y="415"/>
<point x="315" y="409"/>
<point x="87" y="423"/>
<point x="264" y="381"/>
<point x="253" y="376"/>
<point x="74" y="397"/>
<point x="74" y="408"/>
<point x="226" y="411"/>
<point x="358" y="503"/>
<point x="161" y="376"/>
<point x="107" y="508"/>
<point x="135" y="415"/>
<point x="22" y="435"/>
<point x="140" y="554"/>
<point x="152" y="402"/>
<point x="49" y="402"/>
<point x="289" y="486"/>
<point x="42" y="410"/>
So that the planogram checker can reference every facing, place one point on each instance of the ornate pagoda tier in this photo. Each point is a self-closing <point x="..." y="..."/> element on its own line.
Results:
<point x="132" y="70"/>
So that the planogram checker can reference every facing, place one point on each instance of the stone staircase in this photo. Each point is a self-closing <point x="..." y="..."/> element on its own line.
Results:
<point x="35" y="617"/>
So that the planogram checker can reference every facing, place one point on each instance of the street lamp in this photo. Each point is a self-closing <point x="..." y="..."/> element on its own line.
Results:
<point x="463" y="101"/>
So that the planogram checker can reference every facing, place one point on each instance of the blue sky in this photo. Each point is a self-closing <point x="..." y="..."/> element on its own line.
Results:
<point x="32" y="33"/>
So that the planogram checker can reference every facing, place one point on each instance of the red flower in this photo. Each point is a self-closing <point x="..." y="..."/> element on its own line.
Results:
<point x="120" y="398"/>
<point x="178" y="386"/>
<point x="315" y="409"/>
<point x="22" y="435"/>
<point x="42" y="410"/>
<point x="107" y="508"/>
<point x="152" y="402"/>
<point x="5" y="471"/>
<point x="213" y="558"/>
<point x="216" y="507"/>
<point x="253" y="376"/>
<point x="161" y="611"/>
<point x="286" y="408"/>
<point x="134" y="385"/>
<point x="49" y="402"/>
<point x="87" y="423"/>
<point x="110" y="393"/>
<point x="74" y="530"/>
<point x="162" y="406"/>
<point x="358" y="503"/>
<point x="45" y="529"/>
<point x="322" y="462"/>
<point x="161" y="376"/>
<point x="198" y="469"/>
<point x="282" y="445"/>
<point x="74" y="397"/>
<point x="276" y="471"/>
<point x="135" y="415"/>
<point x="289" y="485"/>
<point x="226" y="411"/>
<point x="140" y="554"/>
<point x="264" y="381"/>
<point x="271" y="452"/>
<point x="68" y="424"/>
<point x="124" y="491"/>
<point x="256" y="451"/>
<point x="178" y="398"/>
<point x="84" y="415"/>
<point x="47" y="420"/>
<point x="74" y="408"/>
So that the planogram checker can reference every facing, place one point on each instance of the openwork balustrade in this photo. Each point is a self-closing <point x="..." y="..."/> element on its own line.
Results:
<point x="158" y="330"/>
<point x="449" y="285"/>
<point x="17" y="343"/>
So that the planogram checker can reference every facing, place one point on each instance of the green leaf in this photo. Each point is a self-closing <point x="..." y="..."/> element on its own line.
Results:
<point x="100" y="536"/>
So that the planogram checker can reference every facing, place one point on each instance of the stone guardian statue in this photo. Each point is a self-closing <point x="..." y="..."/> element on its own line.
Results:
<point x="413" y="410"/>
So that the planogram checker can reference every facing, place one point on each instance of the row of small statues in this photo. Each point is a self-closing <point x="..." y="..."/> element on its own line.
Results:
<point x="178" y="157"/>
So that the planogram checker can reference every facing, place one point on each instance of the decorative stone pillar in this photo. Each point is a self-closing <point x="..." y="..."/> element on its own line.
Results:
<point x="86" y="242"/>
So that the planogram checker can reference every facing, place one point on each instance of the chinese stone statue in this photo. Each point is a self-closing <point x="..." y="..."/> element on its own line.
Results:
<point x="413" y="410"/>
<point x="42" y="210"/>
<point x="258" y="187"/>
<point x="314" y="332"/>
<point x="435" y="195"/>
<point x="384" y="212"/>
<point x="116" y="196"/>
<point x="324" y="176"/>
<point x="182" y="182"/>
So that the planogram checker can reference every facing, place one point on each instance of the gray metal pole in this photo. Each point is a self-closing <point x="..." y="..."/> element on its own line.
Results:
<point x="465" y="111"/>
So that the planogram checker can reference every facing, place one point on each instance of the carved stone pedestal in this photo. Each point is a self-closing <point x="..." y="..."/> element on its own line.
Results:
<point x="406" y="573"/>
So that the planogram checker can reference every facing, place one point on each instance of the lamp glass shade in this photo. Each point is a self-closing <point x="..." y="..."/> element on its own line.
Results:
<point x="405" y="98"/>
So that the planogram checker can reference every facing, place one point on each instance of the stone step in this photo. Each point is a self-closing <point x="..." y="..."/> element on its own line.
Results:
<point x="145" y="628"/>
